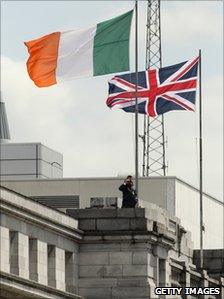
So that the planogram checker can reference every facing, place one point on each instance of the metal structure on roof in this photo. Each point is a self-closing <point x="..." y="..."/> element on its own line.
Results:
<point x="153" y="161"/>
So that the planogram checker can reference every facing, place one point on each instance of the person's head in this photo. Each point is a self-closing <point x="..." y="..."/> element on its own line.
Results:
<point x="129" y="181"/>
<point x="129" y="178"/>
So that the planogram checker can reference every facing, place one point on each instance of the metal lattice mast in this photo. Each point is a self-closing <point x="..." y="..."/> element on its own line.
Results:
<point x="153" y="135"/>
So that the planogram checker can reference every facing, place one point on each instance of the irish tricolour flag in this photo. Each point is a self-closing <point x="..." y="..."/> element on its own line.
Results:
<point x="99" y="50"/>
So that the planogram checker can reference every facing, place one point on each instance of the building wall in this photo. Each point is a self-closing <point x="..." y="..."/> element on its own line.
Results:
<point x="170" y="193"/>
<point x="152" y="190"/>
<point x="126" y="253"/>
<point x="29" y="161"/>
<point x="188" y="210"/>
<point x="38" y="248"/>
<point x="94" y="253"/>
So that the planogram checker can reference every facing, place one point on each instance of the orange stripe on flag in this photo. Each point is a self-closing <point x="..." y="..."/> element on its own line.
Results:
<point x="42" y="62"/>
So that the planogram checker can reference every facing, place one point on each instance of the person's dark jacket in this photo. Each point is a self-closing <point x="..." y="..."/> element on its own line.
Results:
<point x="129" y="196"/>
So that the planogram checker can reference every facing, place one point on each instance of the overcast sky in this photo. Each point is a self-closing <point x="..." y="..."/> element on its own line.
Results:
<point x="73" y="118"/>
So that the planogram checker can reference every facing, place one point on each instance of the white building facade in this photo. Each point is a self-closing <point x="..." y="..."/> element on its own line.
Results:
<point x="29" y="161"/>
<point x="172" y="194"/>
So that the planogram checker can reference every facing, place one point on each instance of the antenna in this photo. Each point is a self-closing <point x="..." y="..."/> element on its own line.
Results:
<point x="153" y="128"/>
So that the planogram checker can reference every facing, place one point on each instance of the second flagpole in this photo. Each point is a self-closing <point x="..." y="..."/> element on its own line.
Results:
<point x="201" y="172"/>
<point x="136" y="98"/>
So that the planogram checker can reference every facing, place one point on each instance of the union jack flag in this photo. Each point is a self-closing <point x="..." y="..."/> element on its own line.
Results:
<point x="159" y="90"/>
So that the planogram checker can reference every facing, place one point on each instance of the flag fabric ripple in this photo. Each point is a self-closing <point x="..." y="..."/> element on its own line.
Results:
<point x="159" y="90"/>
<point x="98" y="50"/>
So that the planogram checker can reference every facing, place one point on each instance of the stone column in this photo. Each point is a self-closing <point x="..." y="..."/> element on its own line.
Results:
<point x="221" y="287"/>
<point x="4" y="249"/>
<point x="164" y="272"/>
<point x="186" y="279"/>
<point x="163" y="268"/>
<point x="56" y="267"/>
<point x="38" y="261"/>
<point x="71" y="271"/>
<point x="153" y="273"/>
<point x="204" y="282"/>
<point x="19" y="254"/>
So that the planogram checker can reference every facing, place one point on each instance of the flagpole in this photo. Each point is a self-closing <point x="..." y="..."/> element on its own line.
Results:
<point x="200" y="159"/>
<point x="136" y="99"/>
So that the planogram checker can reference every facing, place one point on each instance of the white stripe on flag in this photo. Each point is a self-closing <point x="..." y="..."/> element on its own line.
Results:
<point x="75" y="54"/>
<point x="179" y="71"/>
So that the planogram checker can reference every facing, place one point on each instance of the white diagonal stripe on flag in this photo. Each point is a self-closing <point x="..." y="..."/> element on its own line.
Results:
<point x="182" y="69"/>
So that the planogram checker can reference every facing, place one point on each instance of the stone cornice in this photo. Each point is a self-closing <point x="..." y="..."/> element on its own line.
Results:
<point x="11" y="282"/>
<point x="48" y="219"/>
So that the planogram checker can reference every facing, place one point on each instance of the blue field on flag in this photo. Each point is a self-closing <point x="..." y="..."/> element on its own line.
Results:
<point x="159" y="90"/>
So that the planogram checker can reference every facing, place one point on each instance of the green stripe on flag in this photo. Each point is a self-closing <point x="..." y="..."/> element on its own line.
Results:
<point x="111" y="45"/>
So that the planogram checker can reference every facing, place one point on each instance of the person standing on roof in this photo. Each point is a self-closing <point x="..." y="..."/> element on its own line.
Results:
<point x="129" y="194"/>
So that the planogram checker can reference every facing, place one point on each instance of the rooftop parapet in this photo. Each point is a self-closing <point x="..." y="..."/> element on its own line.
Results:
<point x="24" y="207"/>
<point x="152" y="223"/>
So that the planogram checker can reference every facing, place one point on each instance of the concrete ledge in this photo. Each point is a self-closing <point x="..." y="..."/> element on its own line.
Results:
<point x="20" y="207"/>
<point x="136" y="224"/>
<point x="106" y="213"/>
<point x="92" y="213"/>
<point x="136" y="218"/>
<point x="13" y="286"/>
<point x="22" y="202"/>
